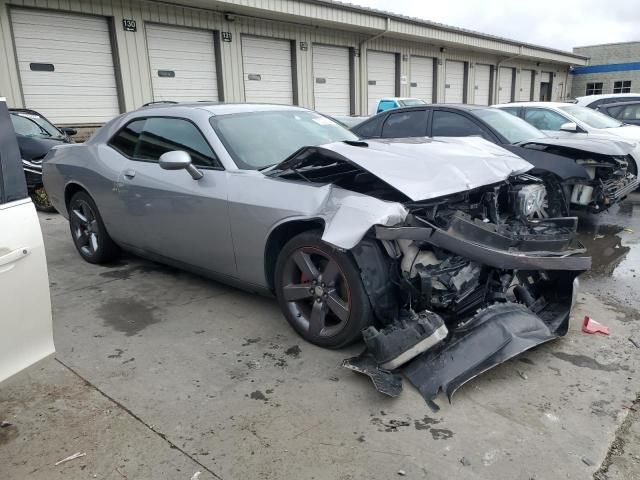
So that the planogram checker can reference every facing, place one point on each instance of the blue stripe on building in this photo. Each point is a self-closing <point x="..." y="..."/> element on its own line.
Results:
<point x="614" y="67"/>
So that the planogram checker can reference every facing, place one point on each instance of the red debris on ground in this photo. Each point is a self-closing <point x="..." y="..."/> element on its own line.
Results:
<point x="591" y="326"/>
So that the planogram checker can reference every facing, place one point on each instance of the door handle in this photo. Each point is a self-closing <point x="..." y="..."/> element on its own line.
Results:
<point x="129" y="173"/>
<point x="14" y="256"/>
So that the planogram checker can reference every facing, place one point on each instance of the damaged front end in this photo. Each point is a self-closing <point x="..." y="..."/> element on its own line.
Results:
<point x="600" y="175"/>
<point x="474" y="282"/>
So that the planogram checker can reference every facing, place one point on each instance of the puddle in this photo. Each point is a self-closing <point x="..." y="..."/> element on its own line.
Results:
<point x="127" y="315"/>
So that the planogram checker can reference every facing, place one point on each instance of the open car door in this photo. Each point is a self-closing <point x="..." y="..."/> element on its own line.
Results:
<point x="26" y="333"/>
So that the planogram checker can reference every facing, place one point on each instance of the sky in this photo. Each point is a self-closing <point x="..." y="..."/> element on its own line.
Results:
<point x="561" y="24"/>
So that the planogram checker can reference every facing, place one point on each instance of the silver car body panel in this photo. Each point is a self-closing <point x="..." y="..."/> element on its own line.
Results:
<point x="168" y="214"/>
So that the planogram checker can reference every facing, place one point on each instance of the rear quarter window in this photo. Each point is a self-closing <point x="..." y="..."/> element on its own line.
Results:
<point x="126" y="139"/>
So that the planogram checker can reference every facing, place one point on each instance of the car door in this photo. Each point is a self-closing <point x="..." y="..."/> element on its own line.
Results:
<point x="26" y="334"/>
<point x="411" y="123"/>
<point x="175" y="216"/>
<point x="447" y="123"/>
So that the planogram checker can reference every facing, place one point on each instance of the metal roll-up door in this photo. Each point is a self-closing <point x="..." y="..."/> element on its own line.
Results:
<point x="182" y="62"/>
<point x="422" y="78"/>
<point x="332" y="80"/>
<point x="66" y="65"/>
<point x="526" y="81"/>
<point x="381" y="77"/>
<point x="505" y="85"/>
<point x="454" y="82"/>
<point x="482" y="86"/>
<point x="267" y="70"/>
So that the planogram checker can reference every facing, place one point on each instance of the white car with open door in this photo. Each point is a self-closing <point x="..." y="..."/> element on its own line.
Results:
<point x="26" y="333"/>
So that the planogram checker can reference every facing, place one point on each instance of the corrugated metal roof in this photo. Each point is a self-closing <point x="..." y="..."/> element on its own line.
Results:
<point x="440" y="26"/>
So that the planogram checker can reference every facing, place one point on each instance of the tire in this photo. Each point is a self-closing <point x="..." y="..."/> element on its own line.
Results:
<point x="333" y="311"/>
<point x="88" y="232"/>
<point x="40" y="199"/>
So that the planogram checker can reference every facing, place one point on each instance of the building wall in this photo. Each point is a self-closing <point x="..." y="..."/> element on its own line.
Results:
<point x="610" y="53"/>
<point x="133" y="65"/>
<point x="623" y="57"/>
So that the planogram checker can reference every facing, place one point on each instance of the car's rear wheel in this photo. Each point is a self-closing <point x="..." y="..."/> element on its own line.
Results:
<point x="88" y="232"/>
<point x="320" y="292"/>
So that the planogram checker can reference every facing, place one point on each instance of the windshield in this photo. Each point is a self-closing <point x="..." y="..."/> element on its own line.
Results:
<point x="257" y="140"/>
<point x="512" y="128"/>
<point x="30" y="125"/>
<point x="591" y="117"/>
<point x="410" y="102"/>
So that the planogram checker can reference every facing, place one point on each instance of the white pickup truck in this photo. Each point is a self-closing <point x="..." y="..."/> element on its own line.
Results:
<point x="26" y="333"/>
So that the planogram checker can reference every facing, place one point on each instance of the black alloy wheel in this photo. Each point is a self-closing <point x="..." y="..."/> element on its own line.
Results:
<point x="320" y="292"/>
<point x="88" y="232"/>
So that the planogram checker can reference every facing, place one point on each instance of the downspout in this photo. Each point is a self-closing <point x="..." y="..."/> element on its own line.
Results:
<point x="498" y="65"/>
<point x="363" y="77"/>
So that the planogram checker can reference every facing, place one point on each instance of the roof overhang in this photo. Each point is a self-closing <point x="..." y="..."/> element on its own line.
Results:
<point x="366" y="21"/>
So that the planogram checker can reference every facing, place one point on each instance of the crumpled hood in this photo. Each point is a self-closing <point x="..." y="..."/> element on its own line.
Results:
<point x="426" y="168"/>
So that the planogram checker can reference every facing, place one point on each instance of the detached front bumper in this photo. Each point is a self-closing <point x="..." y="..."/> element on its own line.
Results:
<point x="537" y="309"/>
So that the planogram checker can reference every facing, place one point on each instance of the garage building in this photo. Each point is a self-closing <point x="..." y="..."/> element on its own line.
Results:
<point x="83" y="62"/>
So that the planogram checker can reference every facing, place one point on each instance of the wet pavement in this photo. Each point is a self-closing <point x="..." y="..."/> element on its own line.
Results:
<point x="177" y="374"/>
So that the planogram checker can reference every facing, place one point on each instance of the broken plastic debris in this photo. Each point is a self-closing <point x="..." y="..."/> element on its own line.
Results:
<point x="385" y="382"/>
<point x="71" y="457"/>
<point x="591" y="326"/>
<point x="196" y="475"/>
<point x="402" y="473"/>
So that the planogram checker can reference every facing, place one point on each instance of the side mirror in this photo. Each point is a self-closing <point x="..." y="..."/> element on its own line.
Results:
<point x="569" y="127"/>
<point x="70" y="131"/>
<point x="179" y="160"/>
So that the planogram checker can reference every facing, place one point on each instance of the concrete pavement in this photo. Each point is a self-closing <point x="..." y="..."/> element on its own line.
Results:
<point x="198" y="376"/>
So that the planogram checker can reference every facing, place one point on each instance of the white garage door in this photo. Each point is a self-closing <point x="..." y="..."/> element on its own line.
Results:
<point x="331" y="87"/>
<point x="454" y="82"/>
<point x="526" y="77"/>
<point x="422" y="78"/>
<point x="66" y="66"/>
<point x="381" y="77"/>
<point x="267" y="70"/>
<point x="505" y="85"/>
<point x="182" y="62"/>
<point x="482" y="85"/>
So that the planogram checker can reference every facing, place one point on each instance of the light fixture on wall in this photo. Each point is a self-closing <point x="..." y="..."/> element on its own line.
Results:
<point x="229" y="17"/>
<point x="443" y="49"/>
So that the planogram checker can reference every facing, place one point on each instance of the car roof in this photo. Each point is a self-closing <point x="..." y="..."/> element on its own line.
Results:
<point x="534" y="104"/>
<point x="216" y="108"/>
<point x="593" y="98"/>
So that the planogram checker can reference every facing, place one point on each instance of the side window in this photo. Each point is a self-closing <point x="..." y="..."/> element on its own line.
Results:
<point x="512" y="110"/>
<point x="385" y="105"/>
<point x="544" y="119"/>
<point x="630" y="112"/>
<point x="405" y="124"/>
<point x="161" y="135"/>
<point x="449" y="124"/>
<point x="614" y="112"/>
<point x="370" y="128"/>
<point x="126" y="139"/>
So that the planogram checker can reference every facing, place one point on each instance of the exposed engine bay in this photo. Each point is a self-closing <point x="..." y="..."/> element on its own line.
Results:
<point x="603" y="176"/>
<point x="476" y="283"/>
<point x="464" y="282"/>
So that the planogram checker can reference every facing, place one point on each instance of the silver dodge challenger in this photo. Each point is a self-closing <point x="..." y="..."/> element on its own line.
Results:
<point x="429" y="250"/>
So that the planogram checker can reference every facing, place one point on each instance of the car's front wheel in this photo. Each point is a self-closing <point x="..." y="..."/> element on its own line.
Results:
<point x="88" y="232"/>
<point x="320" y="292"/>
